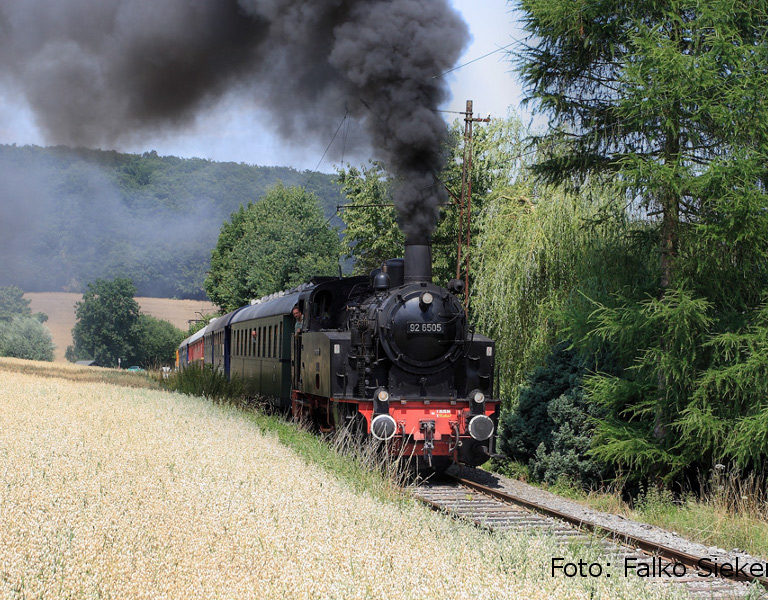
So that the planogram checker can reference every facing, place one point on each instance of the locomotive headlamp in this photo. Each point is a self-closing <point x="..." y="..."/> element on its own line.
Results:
<point x="383" y="427"/>
<point x="480" y="428"/>
<point x="426" y="300"/>
<point x="381" y="401"/>
<point x="478" y="397"/>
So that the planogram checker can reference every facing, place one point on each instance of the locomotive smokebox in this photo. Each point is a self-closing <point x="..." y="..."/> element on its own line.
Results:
<point x="418" y="259"/>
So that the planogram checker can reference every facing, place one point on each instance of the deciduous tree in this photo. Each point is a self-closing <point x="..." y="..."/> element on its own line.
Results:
<point x="271" y="245"/>
<point x="107" y="326"/>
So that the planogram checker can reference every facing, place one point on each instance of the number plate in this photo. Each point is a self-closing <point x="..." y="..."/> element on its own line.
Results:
<point x="425" y="328"/>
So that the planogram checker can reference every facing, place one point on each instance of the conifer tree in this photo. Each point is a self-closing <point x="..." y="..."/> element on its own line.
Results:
<point x="667" y="101"/>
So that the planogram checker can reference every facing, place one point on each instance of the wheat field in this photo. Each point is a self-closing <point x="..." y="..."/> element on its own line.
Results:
<point x="114" y="492"/>
<point x="60" y="308"/>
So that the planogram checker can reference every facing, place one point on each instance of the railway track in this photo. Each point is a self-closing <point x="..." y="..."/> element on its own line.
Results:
<point x="498" y="504"/>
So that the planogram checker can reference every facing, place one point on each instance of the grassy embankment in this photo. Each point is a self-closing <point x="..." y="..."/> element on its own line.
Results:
<point x="120" y="492"/>
<point x="731" y="512"/>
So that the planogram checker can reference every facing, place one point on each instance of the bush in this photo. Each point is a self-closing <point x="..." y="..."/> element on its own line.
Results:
<point x="25" y="337"/>
<point x="551" y="426"/>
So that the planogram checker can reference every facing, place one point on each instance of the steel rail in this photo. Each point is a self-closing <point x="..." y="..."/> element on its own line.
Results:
<point x="643" y="544"/>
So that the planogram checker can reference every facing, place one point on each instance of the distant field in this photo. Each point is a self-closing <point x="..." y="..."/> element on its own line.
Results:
<point x="60" y="308"/>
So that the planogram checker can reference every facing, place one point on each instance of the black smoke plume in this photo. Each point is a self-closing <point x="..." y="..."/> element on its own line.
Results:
<point x="99" y="71"/>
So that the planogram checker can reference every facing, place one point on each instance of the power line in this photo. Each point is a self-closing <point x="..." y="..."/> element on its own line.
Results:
<point x="475" y="60"/>
<point x="328" y="147"/>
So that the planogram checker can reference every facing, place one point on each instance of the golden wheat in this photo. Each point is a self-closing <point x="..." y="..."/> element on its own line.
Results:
<point x="110" y="492"/>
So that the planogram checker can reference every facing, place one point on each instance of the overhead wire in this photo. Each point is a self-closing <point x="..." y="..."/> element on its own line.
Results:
<point x="474" y="60"/>
<point x="328" y="147"/>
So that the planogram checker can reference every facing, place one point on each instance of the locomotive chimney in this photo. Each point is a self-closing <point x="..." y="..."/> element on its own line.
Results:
<point x="418" y="258"/>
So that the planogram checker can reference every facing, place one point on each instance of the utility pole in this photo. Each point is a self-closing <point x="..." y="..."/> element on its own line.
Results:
<point x="465" y="201"/>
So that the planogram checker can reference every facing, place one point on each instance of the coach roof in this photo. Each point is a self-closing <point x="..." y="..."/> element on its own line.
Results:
<point x="280" y="305"/>
<point x="220" y="323"/>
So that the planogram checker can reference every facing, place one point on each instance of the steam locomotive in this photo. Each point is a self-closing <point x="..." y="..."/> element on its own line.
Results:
<point x="390" y="354"/>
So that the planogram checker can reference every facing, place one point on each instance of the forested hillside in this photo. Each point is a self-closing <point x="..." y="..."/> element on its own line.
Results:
<point x="68" y="216"/>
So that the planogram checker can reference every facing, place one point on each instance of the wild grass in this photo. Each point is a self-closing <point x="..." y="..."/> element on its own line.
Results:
<point x="111" y="492"/>
<point x="207" y="382"/>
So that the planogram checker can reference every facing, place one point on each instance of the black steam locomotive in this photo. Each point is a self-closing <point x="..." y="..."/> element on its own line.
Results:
<point x="391" y="354"/>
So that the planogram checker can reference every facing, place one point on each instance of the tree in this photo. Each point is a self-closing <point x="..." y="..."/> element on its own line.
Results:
<point x="158" y="341"/>
<point x="275" y="244"/>
<point x="108" y="324"/>
<point x="372" y="233"/>
<point x="25" y="337"/>
<point x="666" y="101"/>
<point x="22" y="334"/>
<point x="541" y="252"/>
<point x="550" y="427"/>
<point x="664" y="97"/>
<point x="12" y="303"/>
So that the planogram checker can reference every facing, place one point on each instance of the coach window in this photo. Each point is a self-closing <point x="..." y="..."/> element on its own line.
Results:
<point x="269" y="342"/>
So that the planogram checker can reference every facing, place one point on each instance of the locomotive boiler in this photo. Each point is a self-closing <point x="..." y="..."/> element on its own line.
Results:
<point x="390" y="355"/>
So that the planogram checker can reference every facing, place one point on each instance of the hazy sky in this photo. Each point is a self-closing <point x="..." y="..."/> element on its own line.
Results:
<point x="235" y="131"/>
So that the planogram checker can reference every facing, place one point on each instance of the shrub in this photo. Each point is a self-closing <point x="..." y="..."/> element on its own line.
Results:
<point x="25" y="337"/>
<point x="551" y="426"/>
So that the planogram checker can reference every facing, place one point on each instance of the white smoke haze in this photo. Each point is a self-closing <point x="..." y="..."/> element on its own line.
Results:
<point x="99" y="71"/>
<point x="64" y="222"/>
